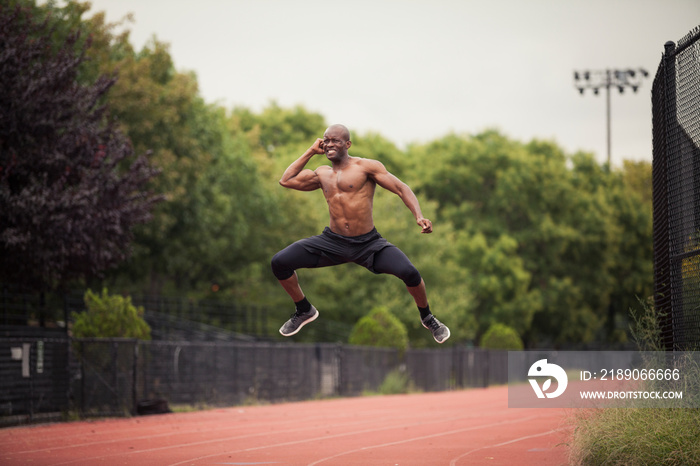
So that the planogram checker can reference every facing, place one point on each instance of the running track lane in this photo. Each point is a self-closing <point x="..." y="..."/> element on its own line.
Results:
<point x="448" y="428"/>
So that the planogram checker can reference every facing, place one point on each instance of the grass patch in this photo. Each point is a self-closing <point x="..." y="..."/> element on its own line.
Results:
<point x="636" y="436"/>
<point x="190" y="408"/>
<point x="396" y="382"/>
<point x="643" y="435"/>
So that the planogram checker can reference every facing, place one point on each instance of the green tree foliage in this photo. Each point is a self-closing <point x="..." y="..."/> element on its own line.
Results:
<point x="219" y="214"/>
<point x="70" y="189"/>
<point x="380" y="328"/>
<point x="501" y="337"/>
<point x="633" y="267"/>
<point x="554" y="221"/>
<point x="277" y="127"/>
<point x="500" y="282"/>
<point x="219" y="217"/>
<point x="110" y="316"/>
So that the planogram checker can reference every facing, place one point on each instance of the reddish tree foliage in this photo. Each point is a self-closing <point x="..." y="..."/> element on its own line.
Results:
<point x="70" y="188"/>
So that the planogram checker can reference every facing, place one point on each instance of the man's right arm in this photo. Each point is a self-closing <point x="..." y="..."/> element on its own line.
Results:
<point x="299" y="178"/>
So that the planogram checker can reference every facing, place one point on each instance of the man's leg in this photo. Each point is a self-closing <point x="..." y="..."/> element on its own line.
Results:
<point x="284" y="265"/>
<point x="419" y="294"/>
<point x="393" y="261"/>
<point x="291" y="286"/>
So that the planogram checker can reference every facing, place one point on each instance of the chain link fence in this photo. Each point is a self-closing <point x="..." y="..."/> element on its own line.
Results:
<point x="676" y="185"/>
<point x="170" y="317"/>
<point x="35" y="377"/>
<point x="42" y="378"/>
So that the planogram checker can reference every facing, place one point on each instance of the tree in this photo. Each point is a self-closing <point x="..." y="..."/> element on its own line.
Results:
<point x="501" y="286"/>
<point x="277" y="126"/>
<point x="547" y="239"/>
<point x="633" y="268"/>
<point x="70" y="188"/>
<point x="218" y="215"/>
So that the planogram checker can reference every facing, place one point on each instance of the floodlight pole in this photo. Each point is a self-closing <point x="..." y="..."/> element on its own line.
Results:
<point x="606" y="79"/>
<point x="607" y="111"/>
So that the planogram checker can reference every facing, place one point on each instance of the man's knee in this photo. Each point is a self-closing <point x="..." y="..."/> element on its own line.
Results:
<point x="279" y="268"/>
<point x="412" y="277"/>
<point x="391" y="260"/>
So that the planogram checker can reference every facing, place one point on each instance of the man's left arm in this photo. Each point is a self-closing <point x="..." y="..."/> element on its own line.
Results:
<point x="390" y="182"/>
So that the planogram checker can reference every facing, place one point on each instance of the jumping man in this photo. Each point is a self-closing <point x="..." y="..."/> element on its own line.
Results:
<point x="348" y="185"/>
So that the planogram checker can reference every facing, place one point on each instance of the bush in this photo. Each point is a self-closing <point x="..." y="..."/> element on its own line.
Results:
<point x="110" y="317"/>
<point x="501" y="337"/>
<point x="380" y="328"/>
<point x="397" y="382"/>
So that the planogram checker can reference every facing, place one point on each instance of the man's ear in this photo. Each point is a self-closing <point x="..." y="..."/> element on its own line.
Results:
<point x="348" y="144"/>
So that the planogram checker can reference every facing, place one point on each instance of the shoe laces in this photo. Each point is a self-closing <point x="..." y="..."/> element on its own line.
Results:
<point x="432" y="323"/>
<point x="296" y="315"/>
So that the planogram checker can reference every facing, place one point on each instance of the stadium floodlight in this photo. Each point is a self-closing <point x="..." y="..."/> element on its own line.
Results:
<point x="605" y="79"/>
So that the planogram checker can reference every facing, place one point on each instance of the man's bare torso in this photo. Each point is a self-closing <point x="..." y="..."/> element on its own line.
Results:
<point x="349" y="192"/>
<point x="348" y="184"/>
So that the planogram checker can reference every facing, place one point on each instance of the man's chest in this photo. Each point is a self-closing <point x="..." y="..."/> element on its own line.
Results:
<point x="347" y="181"/>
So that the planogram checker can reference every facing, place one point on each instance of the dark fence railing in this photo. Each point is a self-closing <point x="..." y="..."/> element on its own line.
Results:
<point x="676" y="186"/>
<point x="40" y="377"/>
<point x="35" y="376"/>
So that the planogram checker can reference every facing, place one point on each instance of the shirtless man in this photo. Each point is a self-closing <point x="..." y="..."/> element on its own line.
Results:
<point x="348" y="185"/>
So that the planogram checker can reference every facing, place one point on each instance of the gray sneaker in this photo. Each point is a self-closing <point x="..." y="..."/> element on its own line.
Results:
<point x="438" y="329"/>
<point x="297" y="321"/>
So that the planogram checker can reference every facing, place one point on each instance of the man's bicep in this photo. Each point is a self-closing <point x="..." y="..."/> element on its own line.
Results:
<point x="385" y="179"/>
<point x="306" y="180"/>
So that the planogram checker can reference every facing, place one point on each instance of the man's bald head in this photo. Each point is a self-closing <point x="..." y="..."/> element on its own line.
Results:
<point x="336" y="142"/>
<point x="341" y="130"/>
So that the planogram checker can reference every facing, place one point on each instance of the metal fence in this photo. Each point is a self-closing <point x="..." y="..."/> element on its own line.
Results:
<point x="42" y="377"/>
<point x="35" y="376"/>
<point x="676" y="185"/>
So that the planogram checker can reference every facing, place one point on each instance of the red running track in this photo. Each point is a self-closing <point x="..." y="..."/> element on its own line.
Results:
<point x="447" y="428"/>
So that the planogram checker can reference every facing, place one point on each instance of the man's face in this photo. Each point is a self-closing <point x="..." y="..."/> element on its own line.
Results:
<point x="334" y="144"/>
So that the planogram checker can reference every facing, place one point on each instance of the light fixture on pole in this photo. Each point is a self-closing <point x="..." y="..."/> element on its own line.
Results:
<point x="605" y="79"/>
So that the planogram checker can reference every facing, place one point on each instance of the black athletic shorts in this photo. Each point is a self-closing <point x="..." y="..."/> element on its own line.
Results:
<point x="370" y="250"/>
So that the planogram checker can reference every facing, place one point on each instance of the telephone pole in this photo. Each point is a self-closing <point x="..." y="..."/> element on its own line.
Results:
<point x="606" y="79"/>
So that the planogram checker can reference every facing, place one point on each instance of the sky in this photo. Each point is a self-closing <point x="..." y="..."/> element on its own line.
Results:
<point x="417" y="70"/>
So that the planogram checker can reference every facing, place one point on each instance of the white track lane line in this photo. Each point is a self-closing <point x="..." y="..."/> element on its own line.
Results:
<point x="541" y="434"/>
<point x="424" y="437"/>
<point x="260" y="434"/>
<point x="192" y="428"/>
<point x="347" y="434"/>
<point x="196" y="429"/>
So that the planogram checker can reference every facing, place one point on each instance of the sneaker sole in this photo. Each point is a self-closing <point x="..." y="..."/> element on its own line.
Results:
<point x="310" y="319"/>
<point x="444" y="339"/>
